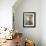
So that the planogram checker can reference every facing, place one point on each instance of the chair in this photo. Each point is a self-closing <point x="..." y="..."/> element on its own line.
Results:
<point x="29" y="43"/>
<point x="18" y="39"/>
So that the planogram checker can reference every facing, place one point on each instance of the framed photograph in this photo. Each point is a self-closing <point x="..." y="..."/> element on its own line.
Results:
<point x="29" y="19"/>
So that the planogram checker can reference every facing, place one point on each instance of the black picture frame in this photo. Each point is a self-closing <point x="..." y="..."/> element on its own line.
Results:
<point x="29" y="19"/>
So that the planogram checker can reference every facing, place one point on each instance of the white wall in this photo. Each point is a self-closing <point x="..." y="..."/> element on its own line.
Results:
<point x="43" y="22"/>
<point x="6" y="13"/>
<point x="29" y="33"/>
<point x="37" y="34"/>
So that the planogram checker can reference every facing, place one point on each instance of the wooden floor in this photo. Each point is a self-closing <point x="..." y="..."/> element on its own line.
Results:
<point x="9" y="43"/>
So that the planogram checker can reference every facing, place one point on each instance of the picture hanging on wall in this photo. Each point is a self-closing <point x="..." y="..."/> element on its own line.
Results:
<point x="29" y="19"/>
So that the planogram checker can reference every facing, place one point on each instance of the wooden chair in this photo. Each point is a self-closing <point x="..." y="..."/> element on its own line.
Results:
<point x="29" y="43"/>
<point x="18" y="39"/>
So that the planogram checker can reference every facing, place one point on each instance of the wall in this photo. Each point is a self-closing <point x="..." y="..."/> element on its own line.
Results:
<point x="6" y="13"/>
<point x="29" y="33"/>
<point x="43" y="22"/>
